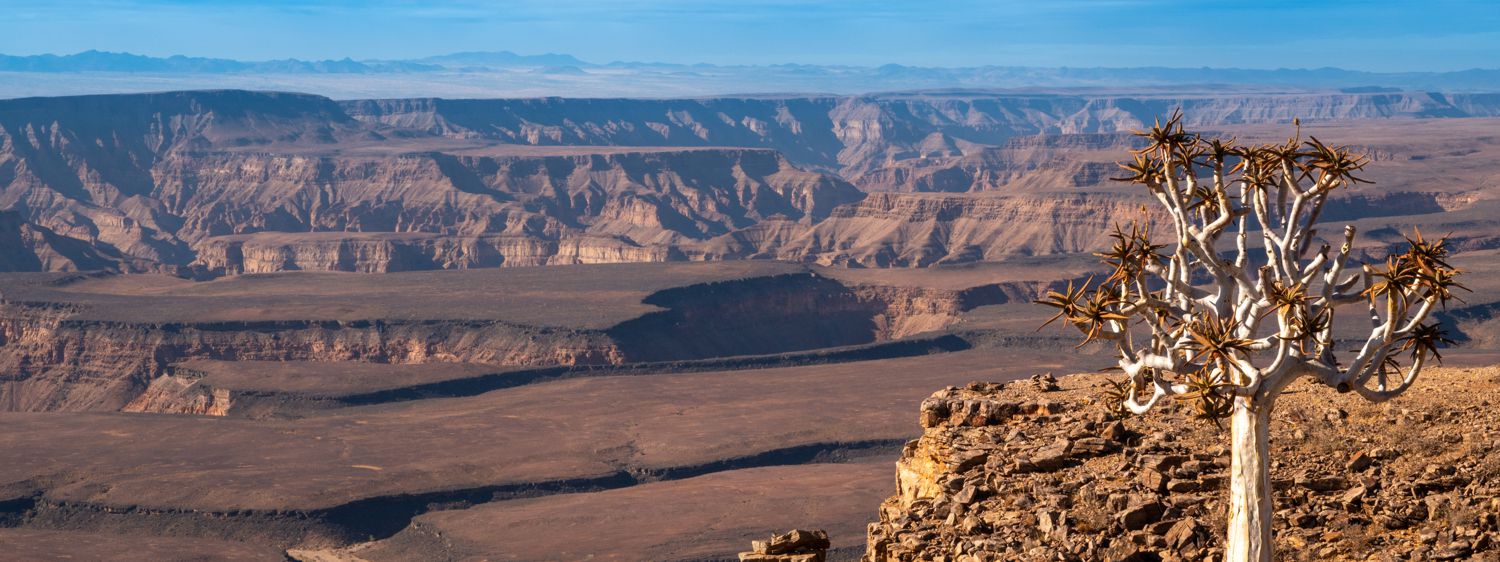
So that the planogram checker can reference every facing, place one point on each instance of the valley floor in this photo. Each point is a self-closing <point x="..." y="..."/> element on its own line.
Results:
<point x="145" y="420"/>
<point x="149" y="415"/>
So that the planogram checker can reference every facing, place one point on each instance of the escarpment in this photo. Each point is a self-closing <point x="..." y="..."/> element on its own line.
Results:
<point x="920" y="230"/>
<point x="205" y="210"/>
<point x="25" y="246"/>
<point x="1039" y="470"/>
<point x="223" y="183"/>
<point x="859" y="134"/>
<point x="382" y="253"/>
<point x="55" y="362"/>
<point x="59" y="350"/>
<point x="162" y="179"/>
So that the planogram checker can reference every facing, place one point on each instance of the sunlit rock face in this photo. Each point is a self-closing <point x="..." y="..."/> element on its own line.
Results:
<point x="226" y="182"/>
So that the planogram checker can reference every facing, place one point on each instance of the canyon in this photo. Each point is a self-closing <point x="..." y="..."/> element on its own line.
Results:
<point x="81" y="342"/>
<point x="260" y="325"/>
<point x="205" y="184"/>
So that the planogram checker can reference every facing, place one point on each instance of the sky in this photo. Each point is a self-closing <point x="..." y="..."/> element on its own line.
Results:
<point x="1376" y="35"/>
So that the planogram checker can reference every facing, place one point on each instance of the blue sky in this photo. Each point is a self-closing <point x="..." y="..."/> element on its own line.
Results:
<point x="1380" y="35"/>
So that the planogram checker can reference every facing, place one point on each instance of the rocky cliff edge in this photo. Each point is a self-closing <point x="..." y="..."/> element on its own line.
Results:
<point x="1038" y="470"/>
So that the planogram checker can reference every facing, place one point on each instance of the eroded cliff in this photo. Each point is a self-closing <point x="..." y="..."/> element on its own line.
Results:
<point x="857" y="135"/>
<point x="214" y="183"/>
<point x="59" y="355"/>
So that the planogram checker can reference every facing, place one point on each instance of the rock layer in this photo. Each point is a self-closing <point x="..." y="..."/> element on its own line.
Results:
<point x="859" y="134"/>
<point x="214" y="183"/>
<point x="57" y="356"/>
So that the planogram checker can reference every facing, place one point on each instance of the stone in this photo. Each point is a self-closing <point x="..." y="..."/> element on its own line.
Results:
<point x="1208" y="483"/>
<point x="1393" y="523"/>
<point x="1115" y="431"/>
<point x="1044" y="522"/>
<point x="969" y="494"/>
<point x="796" y="541"/>
<point x="1353" y="497"/>
<point x="1182" y="533"/>
<point x="1199" y="466"/>
<point x="1161" y="463"/>
<point x="931" y="418"/>
<point x="1304" y="520"/>
<point x="1160" y="528"/>
<point x="1359" y="462"/>
<point x="1045" y="382"/>
<point x="1321" y="483"/>
<point x="1296" y="542"/>
<point x="1123" y="551"/>
<point x="1093" y="447"/>
<point x="971" y="460"/>
<point x="1139" y="515"/>
<point x="799" y="557"/>
<point x="1483" y="543"/>
<point x="1453" y="551"/>
<point x="1045" y="460"/>
<point x="1184" y="486"/>
<point x="1117" y="502"/>
<point x="1154" y="481"/>
<point x="971" y="525"/>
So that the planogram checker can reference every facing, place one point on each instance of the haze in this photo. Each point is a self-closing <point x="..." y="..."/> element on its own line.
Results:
<point x="1381" y="36"/>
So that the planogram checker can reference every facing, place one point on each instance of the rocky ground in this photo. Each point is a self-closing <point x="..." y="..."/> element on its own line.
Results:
<point x="1038" y="470"/>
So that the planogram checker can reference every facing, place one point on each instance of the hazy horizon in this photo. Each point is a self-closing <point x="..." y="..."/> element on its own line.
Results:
<point x="346" y="49"/>
<point x="523" y="54"/>
<point x="1382" y="36"/>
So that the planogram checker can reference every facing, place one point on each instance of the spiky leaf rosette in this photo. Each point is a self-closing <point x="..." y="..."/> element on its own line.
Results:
<point x="1188" y="320"/>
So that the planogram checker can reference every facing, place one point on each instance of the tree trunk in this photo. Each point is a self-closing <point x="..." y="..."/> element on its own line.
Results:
<point x="1250" y="483"/>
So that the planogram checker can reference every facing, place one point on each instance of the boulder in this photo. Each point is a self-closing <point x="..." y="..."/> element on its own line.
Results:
<point x="796" y="545"/>
<point x="1138" y="515"/>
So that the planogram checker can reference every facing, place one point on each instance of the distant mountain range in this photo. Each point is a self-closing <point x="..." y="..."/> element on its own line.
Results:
<point x="102" y="61"/>
<point x="508" y="74"/>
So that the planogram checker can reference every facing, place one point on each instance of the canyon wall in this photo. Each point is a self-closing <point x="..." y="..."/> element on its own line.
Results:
<point x="227" y="182"/>
<point x="856" y="135"/>
<point x="180" y="195"/>
<point x="55" y="356"/>
<point x="52" y="361"/>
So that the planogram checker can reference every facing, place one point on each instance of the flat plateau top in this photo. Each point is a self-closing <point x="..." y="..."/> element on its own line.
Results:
<point x="581" y="296"/>
<point x="573" y="297"/>
<point x="328" y="378"/>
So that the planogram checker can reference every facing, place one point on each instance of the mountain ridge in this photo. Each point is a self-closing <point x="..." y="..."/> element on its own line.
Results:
<point x="466" y="74"/>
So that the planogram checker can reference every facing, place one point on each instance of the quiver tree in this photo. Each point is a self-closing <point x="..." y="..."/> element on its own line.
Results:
<point x="1240" y="302"/>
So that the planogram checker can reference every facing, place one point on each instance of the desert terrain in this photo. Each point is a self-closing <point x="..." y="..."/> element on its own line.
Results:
<point x="1041" y="470"/>
<point x="254" y="325"/>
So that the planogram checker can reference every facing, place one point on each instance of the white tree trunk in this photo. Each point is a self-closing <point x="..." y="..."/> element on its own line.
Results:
<point x="1250" y="483"/>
